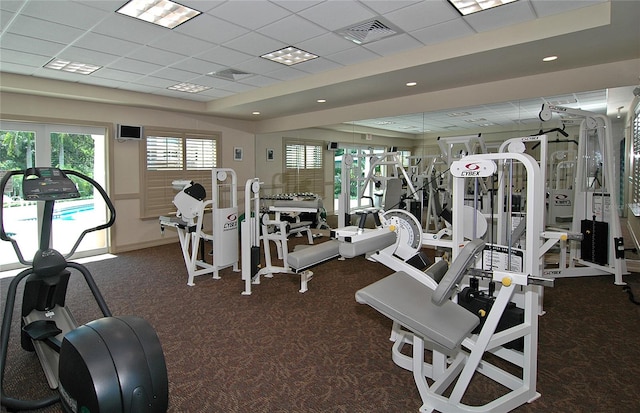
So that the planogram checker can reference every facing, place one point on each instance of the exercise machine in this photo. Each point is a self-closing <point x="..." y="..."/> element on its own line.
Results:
<point x="427" y="319"/>
<point x="192" y="206"/>
<point x="600" y="251"/>
<point x="112" y="364"/>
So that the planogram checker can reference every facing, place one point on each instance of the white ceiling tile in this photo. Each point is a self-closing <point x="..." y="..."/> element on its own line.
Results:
<point x="81" y="55"/>
<point x="127" y="28"/>
<point x="197" y="66"/>
<point x="65" y="12"/>
<point x="98" y="81"/>
<point x="175" y="74"/>
<point x="251" y="14"/>
<point x="296" y="5"/>
<point x="157" y="56"/>
<point x="181" y="44"/>
<point x="106" y="44"/>
<point x="236" y="87"/>
<point x="21" y="69"/>
<point x="57" y="74"/>
<point x="326" y="44"/>
<point x="26" y="59"/>
<point x="292" y="30"/>
<point x="442" y="32"/>
<point x="318" y="65"/>
<point x="40" y="29"/>
<point x="334" y="15"/>
<point x="502" y="16"/>
<point x="393" y="44"/>
<point x="386" y="6"/>
<point x="119" y="75"/>
<point x="5" y="18"/>
<point x="286" y="73"/>
<point x="211" y="28"/>
<point x="259" y="81"/>
<point x="156" y="82"/>
<point x="224" y="56"/>
<point x="352" y="56"/>
<point x="11" y="5"/>
<point x="423" y="14"/>
<point x="202" y="5"/>
<point x="254" y="44"/>
<point x="30" y="45"/>
<point x="258" y="65"/>
<point x="135" y="66"/>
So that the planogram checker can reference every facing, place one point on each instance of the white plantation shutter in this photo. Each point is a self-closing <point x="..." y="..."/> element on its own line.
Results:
<point x="164" y="153"/>
<point x="170" y="157"/>
<point x="303" y="170"/>
<point x="200" y="153"/>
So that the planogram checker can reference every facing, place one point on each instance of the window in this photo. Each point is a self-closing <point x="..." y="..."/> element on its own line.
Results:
<point x="303" y="168"/>
<point x="172" y="156"/>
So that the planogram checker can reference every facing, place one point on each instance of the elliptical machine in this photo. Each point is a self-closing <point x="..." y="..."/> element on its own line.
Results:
<point x="112" y="364"/>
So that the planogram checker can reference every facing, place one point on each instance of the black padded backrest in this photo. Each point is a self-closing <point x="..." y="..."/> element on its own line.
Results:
<point x="457" y="270"/>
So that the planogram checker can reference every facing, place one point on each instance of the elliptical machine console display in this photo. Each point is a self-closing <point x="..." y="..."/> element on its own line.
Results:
<point x="112" y="364"/>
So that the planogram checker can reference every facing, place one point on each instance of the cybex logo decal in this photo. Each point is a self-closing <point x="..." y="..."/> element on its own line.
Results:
<point x="232" y="222"/>
<point x="472" y="169"/>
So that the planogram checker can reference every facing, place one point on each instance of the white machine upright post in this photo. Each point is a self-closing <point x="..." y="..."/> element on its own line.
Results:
<point x="250" y="232"/>
<point x="225" y="220"/>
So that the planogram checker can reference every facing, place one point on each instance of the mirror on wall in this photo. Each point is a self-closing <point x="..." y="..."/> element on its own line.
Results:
<point x="309" y="160"/>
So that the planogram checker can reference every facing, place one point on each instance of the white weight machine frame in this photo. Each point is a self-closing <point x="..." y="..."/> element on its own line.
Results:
<point x="252" y="226"/>
<point x="189" y="224"/>
<point x="608" y="211"/>
<point x="457" y="367"/>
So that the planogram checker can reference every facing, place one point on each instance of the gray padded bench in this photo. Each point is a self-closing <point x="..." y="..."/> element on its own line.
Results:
<point x="426" y="312"/>
<point x="406" y="300"/>
<point x="304" y="256"/>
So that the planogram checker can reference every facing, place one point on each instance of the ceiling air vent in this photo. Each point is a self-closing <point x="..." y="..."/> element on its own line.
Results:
<point x="368" y="31"/>
<point x="230" y="74"/>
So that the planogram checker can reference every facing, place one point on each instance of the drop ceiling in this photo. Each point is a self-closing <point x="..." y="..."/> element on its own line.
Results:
<point x="431" y="44"/>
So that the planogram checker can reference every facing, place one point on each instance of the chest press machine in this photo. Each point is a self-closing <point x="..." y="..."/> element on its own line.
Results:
<point x="425" y="318"/>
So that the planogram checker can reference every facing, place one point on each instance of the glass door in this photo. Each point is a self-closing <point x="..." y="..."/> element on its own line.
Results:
<point x="78" y="148"/>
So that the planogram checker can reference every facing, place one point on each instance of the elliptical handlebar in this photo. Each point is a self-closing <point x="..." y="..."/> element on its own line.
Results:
<point x="107" y="200"/>
<point x="103" y="194"/>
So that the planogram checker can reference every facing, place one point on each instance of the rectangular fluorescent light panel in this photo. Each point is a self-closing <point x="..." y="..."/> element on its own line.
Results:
<point x="189" y="87"/>
<point x="466" y="7"/>
<point x="289" y="56"/>
<point x="164" y="13"/>
<point x="72" y="67"/>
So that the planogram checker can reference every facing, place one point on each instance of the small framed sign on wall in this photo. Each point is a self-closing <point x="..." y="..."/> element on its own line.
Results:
<point x="237" y="154"/>
<point x="270" y="154"/>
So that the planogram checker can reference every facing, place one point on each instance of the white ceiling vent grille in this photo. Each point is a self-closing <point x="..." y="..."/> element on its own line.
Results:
<point x="230" y="74"/>
<point x="368" y="31"/>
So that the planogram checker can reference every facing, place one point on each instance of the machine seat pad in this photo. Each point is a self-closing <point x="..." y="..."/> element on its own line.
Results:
<point x="304" y="256"/>
<point x="41" y="329"/>
<point x="381" y="241"/>
<point x="407" y="301"/>
<point x="301" y="224"/>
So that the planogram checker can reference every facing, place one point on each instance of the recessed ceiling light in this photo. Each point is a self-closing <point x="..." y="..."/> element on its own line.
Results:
<point x="255" y="113"/>
<point x="466" y="7"/>
<point x="164" y="13"/>
<point x="549" y="58"/>
<point x="72" y="67"/>
<point x="411" y="83"/>
<point x="321" y="100"/>
<point x="289" y="56"/>
<point x="188" y="87"/>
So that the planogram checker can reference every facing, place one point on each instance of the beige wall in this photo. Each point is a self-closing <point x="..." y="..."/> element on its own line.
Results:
<point x="123" y="174"/>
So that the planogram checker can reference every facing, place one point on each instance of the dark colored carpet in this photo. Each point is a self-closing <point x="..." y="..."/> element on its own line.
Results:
<point x="281" y="351"/>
